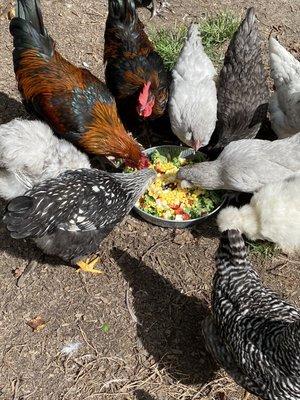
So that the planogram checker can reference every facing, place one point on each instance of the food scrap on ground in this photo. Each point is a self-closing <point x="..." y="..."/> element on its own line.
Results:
<point x="37" y="323"/>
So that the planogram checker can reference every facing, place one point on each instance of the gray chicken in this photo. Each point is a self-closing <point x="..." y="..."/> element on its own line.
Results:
<point x="243" y="94"/>
<point x="69" y="216"/>
<point x="252" y="333"/>
<point x="156" y="8"/>
<point x="246" y="165"/>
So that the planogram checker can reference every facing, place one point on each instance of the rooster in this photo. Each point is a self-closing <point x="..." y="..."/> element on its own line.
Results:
<point x="253" y="333"/>
<point x="135" y="72"/>
<point x="70" y="215"/>
<point x="76" y="105"/>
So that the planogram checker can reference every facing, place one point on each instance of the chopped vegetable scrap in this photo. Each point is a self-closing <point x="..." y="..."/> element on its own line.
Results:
<point x="168" y="198"/>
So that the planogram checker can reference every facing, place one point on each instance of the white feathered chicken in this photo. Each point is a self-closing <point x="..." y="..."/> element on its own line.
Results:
<point x="193" y="95"/>
<point x="285" y="102"/>
<point x="273" y="214"/>
<point x="30" y="154"/>
<point x="246" y="165"/>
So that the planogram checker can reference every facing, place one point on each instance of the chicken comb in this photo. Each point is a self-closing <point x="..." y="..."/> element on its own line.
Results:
<point x="143" y="97"/>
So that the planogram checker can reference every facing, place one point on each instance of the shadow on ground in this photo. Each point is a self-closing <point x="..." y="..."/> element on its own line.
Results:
<point x="169" y="322"/>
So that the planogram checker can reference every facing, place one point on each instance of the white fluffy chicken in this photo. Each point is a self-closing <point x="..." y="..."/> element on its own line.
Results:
<point x="246" y="165"/>
<point x="273" y="214"/>
<point x="284" y="105"/>
<point x="193" y="94"/>
<point x="30" y="154"/>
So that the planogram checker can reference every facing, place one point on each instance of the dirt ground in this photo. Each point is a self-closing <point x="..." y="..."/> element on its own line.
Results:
<point x="137" y="326"/>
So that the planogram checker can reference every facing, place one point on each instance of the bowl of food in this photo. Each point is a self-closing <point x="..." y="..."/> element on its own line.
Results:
<point x="169" y="202"/>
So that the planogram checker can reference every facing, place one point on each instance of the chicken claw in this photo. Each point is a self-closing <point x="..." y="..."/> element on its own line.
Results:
<point x="88" y="266"/>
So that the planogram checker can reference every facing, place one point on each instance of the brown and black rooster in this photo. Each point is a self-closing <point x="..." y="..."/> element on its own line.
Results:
<point x="76" y="105"/>
<point x="135" y="72"/>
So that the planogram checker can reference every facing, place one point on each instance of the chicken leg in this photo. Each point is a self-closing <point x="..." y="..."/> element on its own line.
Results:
<point x="89" y="265"/>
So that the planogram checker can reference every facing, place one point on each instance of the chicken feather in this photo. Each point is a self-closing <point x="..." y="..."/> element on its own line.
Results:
<point x="252" y="333"/>
<point x="193" y="95"/>
<point x="246" y="165"/>
<point x="76" y="105"/>
<point x="70" y="215"/>
<point x="30" y="154"/>
<point x="285" y="102"/>
<point x="273" y="214"/>
<point x="132" y="64"/>
<point x="243" y="93"/>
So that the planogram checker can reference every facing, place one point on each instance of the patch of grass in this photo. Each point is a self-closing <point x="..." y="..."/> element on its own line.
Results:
<point x="217" y="30"/>
<point x="105" y="328"/>
<point x="263" y="249"/>
<point x="214" y="30"/>
<point x="168" y="43"/>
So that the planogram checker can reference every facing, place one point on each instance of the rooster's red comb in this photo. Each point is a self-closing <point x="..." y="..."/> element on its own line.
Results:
<point x="144" y="95"/>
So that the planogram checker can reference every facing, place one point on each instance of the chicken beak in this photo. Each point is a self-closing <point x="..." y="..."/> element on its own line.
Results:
<point x="196" y="144"/>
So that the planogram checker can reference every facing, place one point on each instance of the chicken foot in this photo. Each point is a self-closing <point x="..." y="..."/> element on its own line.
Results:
<point x="89" y="265"/>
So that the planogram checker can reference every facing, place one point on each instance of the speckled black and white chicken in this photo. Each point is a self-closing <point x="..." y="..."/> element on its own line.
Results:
<point x="253" y="334"/>
<point x="69" y="216"/>
<point x="30" y="154"/>
<point x="243" y="94"/>
<point x="285" y="102"/>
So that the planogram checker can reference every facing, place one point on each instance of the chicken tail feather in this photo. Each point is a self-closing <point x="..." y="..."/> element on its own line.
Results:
<point x="28" y="30"/>
<point x="30" y="11"/>
<point x="123" y="11"/>
<point x="232" y="248"/>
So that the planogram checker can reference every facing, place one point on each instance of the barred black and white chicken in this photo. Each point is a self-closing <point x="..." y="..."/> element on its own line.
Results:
<point x="69" y="216"/>
<point x="253" y="334"/>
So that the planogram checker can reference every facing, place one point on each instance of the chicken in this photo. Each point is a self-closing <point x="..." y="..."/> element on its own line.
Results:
<point x="70" y="215"/>
<point x="134" y="72"/>
<point x="193" y="95"/>
<point x="285" y="102"/>
<point x="76" y="105"/>
<point x="252" y="333"/>
<point x="246" y="165"/>
<point x="242" y="89"/>
<point x="155" y="9"/>
<point x="30" y="154"/>
<point x="273" y="214"/>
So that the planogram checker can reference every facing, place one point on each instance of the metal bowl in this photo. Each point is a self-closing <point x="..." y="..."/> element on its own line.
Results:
<point x="174" y="151"/>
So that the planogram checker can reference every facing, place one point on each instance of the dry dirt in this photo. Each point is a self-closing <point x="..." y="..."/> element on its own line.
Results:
<point x="137" y="326"/>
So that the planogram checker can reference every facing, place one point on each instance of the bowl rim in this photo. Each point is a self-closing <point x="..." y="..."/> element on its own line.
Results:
<point x="173" y="220"/>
